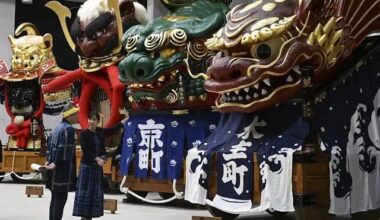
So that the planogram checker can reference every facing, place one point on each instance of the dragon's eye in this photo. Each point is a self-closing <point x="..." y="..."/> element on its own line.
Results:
<point x="263" y="51"/>
<point x="267" y="51"/>
<point x="131" y="42"/>
<point x="154" y="41"/>
<point x="178" y="37"/>
<point x="33" y="57"/>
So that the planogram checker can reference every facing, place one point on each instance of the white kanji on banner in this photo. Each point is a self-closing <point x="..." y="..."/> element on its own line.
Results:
<point x="151" y="137"/>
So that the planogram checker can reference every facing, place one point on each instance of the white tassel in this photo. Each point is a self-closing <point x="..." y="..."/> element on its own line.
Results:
<point x="141" y="14"/>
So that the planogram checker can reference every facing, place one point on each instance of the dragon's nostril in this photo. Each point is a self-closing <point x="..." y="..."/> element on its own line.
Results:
<point x="223" y="53"/>
<point x="140" y="72"/>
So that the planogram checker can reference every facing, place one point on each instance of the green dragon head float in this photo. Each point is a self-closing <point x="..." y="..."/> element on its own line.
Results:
<point x="167" y="57"/>
<point x="266" y="44"/>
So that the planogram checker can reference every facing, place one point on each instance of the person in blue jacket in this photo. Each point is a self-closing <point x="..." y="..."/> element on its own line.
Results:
<point x="61" y="162"/>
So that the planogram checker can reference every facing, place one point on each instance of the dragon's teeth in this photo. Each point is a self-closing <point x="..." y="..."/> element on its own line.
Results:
<point x="289" y="79"/>
<point x="256" y="86"/>
<point x="297" y="69"/>
<point x="246" y="90"/>
<point x="255" y="95"/>
<point x="267" y="81"/>
<point x="264" y="92"/>
<point x="161" y="79"/>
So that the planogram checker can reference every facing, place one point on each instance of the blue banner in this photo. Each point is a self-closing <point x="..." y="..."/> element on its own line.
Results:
<point x="274" y="134"/>
<point x="157" y="143"/>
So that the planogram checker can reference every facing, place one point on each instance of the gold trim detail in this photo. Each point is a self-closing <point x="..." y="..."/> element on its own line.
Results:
<point x="70" y="112"/>
<point x="30" y="146"/>
<point x="329" y="38"/>
<point x="62" y="12"/>
<point x="251" y="6"/>
<point x="29" y="28"/>
<point x="114" y="4"/>
<point x="59" y="95"/>
<point x="92" y="65"/>
<point x="261" y="31"/>
<point x="269" y="7"/>
<point x="180" y="112"/>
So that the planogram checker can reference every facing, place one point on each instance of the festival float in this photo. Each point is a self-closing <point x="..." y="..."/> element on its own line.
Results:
<point x="296" y="83"/>
<point x="286" y="72"/>
<point x="171" y="112"/>
<point x="95" y="36"/>
<point x="32" y="61"/>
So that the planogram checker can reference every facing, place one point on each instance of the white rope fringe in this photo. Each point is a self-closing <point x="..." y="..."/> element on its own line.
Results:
<point x="15" y="174"/>
<point x="126" y="190"/>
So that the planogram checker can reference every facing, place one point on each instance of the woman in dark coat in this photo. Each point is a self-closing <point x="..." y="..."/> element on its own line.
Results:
<point x="89" y="196"/>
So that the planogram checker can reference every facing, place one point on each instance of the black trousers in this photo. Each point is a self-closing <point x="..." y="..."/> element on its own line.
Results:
<point x="57" y="204"/>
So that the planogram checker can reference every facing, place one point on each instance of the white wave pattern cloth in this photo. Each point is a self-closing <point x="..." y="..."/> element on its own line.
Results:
<point x="278" y="192"/>
<point x="365" y="189"/>
<point x="365" y="192"/>
<point x="194" y="192"/>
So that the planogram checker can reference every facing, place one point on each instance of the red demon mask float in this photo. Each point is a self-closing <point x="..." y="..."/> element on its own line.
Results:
<point x="96" y="37"/>
<point x="266" y="44"/>
<point x="31" y="59"/>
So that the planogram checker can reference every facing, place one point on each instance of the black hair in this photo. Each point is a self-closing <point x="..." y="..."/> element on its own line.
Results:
<point x="94" y="114"/>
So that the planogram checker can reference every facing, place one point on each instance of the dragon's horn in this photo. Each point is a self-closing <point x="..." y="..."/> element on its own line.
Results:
<point x="114" y="4"/>
<point x="62" y="12"/>
<point x="29" y="28"/>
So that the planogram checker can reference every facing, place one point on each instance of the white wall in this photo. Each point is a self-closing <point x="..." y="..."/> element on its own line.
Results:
<point x="155" y="9"/>
<point x="7" y="19"/>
